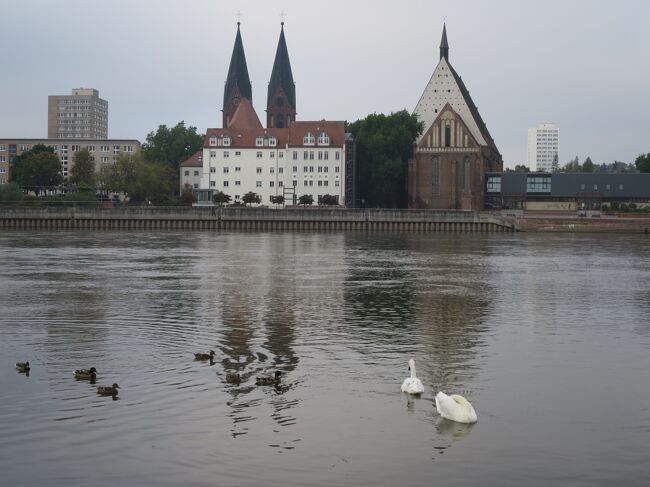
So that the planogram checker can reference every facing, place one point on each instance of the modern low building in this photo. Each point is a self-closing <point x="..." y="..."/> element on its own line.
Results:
<point x="543" y="147"/>
<point x="103" y="151"/>
<point x="80" y="115"/>
<point x="564" y="191"/>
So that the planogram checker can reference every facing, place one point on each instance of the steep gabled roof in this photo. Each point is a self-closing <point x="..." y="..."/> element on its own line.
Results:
<point x="238" y="72"/>
<point x="195" y="160"/>
<point x="281" y="76"/>
<point x="245" y="116"/>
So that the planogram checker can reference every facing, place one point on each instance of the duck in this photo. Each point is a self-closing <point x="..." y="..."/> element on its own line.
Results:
<point x="269" y="380"/>
<point x="412" y="385"/>
<point x="204" y="356"/>
<point x="233" y="378"/>
<point x="108" y="390"/>
<point x="22" y="366"/>
<point x="455" y="408"/>
<point x="90" y="373"/>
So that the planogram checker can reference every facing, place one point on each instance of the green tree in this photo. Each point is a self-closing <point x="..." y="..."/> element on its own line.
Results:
<point x="277" y="200"/>
<point x="521" y="168"/>
<point x="306" y="199"/>
<point x="10" y="193"/>
<point x="37" y="168"/>
<point x="172" y="145"/>
<point x="250" y="198"/>
<point x="588" y="166"/>
<point x="138" y="178"/>
<point x="328" y="199"/>
<point x="384" y="144"/>
<point x="221" y="198"/>
<point x="572" y="166"/>
<point x="187" y="196"/>
<point x="83" y="170"/>
<point x="555" y="165"/>
<point x="642" y="162"/>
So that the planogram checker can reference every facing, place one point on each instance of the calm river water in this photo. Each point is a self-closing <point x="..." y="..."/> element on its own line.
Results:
<point x="547" y="335"/>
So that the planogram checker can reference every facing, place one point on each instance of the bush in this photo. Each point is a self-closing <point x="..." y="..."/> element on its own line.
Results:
<point x="10" y="193"/>
<point x="632" y="206"/>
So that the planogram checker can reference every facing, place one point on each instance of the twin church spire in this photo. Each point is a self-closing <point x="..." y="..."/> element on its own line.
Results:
<point x="281" y="98"/>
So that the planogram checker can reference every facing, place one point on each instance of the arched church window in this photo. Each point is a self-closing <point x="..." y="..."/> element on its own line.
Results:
<point x="466" y="175"/>
<point x="308" y="139"/>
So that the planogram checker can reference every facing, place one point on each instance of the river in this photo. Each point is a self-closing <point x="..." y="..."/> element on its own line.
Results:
<point x="548" y="336"/>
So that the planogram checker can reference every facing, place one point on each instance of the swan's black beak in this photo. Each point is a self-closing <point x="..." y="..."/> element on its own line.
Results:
<point x="409" y="367"/>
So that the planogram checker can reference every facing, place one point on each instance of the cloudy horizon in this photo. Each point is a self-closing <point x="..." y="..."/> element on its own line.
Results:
<point x="576" y="64"/>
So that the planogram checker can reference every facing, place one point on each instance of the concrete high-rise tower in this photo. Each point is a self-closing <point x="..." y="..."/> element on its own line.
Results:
<point x="543" y="147"/>
<point x="81" y="115"/>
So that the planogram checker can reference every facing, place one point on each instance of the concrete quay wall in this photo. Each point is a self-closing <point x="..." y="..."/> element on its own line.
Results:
<point x="260" y="219"/>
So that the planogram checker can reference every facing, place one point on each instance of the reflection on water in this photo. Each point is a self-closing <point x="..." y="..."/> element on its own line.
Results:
<point x="509" y="321"/>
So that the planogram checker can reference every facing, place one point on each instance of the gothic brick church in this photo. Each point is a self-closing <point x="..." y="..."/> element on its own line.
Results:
<point x="455" y="149"/>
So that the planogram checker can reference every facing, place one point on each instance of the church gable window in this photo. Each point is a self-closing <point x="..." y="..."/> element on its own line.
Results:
<point x="323" y="139"/>
<point x="308" y="139"/>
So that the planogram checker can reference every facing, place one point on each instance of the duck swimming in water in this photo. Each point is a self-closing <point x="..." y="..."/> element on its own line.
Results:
<point x="233" y="378"/>
<point x="23" y="367"/>
<point x="202" y="357"/>
<point x="108" y="390"/>
<point x="86" y="374"/>
<point x="269" y="380"/>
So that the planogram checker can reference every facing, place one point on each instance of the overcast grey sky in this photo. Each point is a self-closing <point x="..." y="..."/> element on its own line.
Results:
<point x="582" y="64"/>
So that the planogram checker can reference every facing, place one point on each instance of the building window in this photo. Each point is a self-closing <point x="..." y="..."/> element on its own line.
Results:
<point x="281" y="170"/>
<point x="320" y="168"/>
<point x="337" y="155"/>
<point x="311" y="183"/>
<point x="595" y="187"/>
<point x="259" y="170"/>
<point x="326" y="155"/>
<point x="237" y="183"/>
<point x="280" y="155"/>
<point x="323" y="139"/>
<point x="237" y="153"/>
<point x="196" y="173"/>
<point x="225" y="184"/>
<point x="226" y="141"/>
<point x="539" y="184"/>
<point x="582" y="187"/>
<point x="320" y="183"/>
<point x="325" y="169"/>
<point x="311" y="155"/>
<point x="280" y="184"/>
<point x="258" y="184"/>
<point x="304" y="183"/>
<point x="466" y="175"/>
<point x="271" y="184"/>
<point x="320" y="155"/>
<point x="212" y="183"/>
<point x="493" y="184"/>
<point x="620" y="187"/>
<point x="272" y="170"/>
<point x="305" y="168"/>
<point x="295" y="155"/>
<point x="311" y="168"/>
<point x="273" y="141"/>
<point x="326" y="183"/>
<point x="272" y="155"/>
<point x="305" y="155"/>
<point x="336" y="183"/>
<point x="226" y="154"/>
<point x="447" y="136"/>
<point x="295" y="168"/>
<point x="337" y="169"/>
<point x="213" y="141"/>
<point x="259" y="154"/>
<point x="213" y="154"/>
<point x="435" y="175"/>
<point x="213" y="169"/>
<point x="308" y="139"/>
<point x="226" y="170"/>
<point x="259" y="141"/>
<point x="237" y="169"/>
<point x="608" y="187"/>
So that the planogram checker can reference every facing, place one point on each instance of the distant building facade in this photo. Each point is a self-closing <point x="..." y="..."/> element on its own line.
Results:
<point x="103" y="151"/>
<point x="289" y="158"/>
<point x="543" y="147"/>
<point x="455" y="149"/>
<point x="564" y="191"/>
<point x="80" y="115"/>
<point x="192" y="171"/>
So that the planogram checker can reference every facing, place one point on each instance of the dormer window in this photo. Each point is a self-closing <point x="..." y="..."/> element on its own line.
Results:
<point x="226" y="140"/>
<point x="308" y="139"/>
<point x="259" y="141"/>
<point x="273" y="141"/>
<point x="323" y="139"/>
<point x="213" y="141"/>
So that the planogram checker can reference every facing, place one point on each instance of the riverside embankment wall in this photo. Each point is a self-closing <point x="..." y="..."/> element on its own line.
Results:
<point x="263" y="219"/>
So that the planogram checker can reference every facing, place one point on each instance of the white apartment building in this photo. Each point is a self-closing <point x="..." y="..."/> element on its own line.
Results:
<point x="543" y="147"/>
<point x="307" y="158"/>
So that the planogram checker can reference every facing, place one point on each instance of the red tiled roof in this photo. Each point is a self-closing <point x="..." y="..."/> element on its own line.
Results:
<point x="245" y="116"/>
<point x="196" y="160"/>
<point x="292" y="136"/>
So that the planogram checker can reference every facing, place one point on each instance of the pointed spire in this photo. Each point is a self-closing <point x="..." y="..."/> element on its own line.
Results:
<point x="444" y="46"/>
<point x="238" y="73"/>
<point x="281" y="76"/>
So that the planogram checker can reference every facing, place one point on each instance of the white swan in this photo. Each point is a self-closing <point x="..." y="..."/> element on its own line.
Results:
<point x="412" y="384"/>
<point x="455" y="408"/>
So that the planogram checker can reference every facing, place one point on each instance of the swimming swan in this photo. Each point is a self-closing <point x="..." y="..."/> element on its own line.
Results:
<point x="412" y="384"/>
<point x="456" y="408"/>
